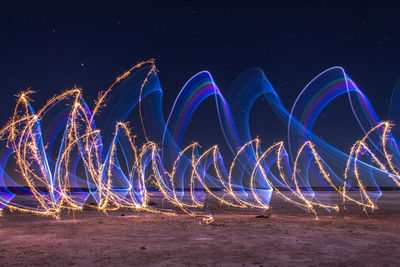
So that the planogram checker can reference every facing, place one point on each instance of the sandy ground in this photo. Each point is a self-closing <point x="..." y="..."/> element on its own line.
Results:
<point x="289" y="236"/>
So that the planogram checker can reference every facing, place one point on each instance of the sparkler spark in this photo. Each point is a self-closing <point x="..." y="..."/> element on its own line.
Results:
<point x="185" y="175"/>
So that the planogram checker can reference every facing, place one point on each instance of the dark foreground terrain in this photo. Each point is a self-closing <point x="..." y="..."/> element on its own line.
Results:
<point x="289" y="236"/>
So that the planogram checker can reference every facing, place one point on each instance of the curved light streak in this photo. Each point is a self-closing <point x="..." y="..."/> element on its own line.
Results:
<point x="98" y="140"/>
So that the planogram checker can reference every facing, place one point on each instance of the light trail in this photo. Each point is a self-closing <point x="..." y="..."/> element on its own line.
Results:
<point x="183" y="174"/>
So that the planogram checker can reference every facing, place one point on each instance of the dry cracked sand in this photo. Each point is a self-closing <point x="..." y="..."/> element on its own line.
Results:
<point x="288" y="237"/>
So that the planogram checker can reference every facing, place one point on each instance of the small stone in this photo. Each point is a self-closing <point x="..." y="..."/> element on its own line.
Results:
<point x="262" y="216"/>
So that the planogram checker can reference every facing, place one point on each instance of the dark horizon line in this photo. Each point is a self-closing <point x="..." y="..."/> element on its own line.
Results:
<point x="151" y="189"/>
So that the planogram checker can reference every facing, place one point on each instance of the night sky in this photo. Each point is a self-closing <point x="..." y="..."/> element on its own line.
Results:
<point x="50" y="47"/>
